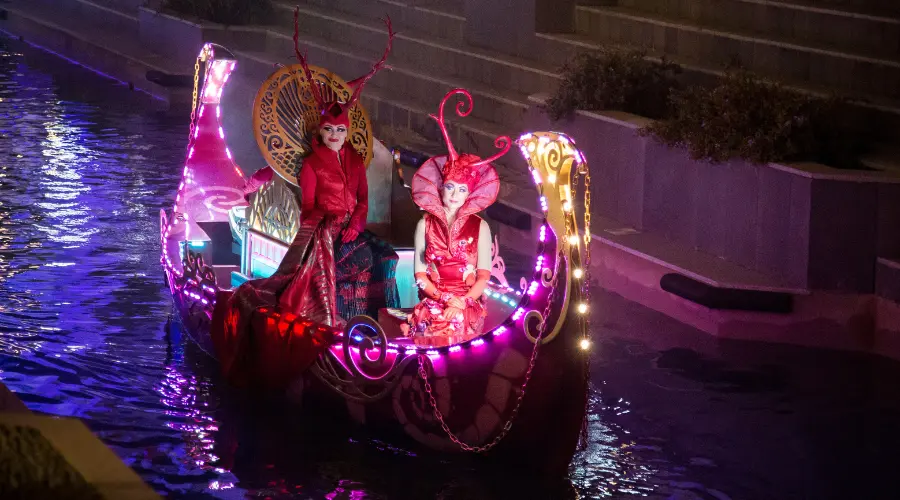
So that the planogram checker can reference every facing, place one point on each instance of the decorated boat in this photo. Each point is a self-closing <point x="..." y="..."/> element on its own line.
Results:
<point x="515" y="393"/>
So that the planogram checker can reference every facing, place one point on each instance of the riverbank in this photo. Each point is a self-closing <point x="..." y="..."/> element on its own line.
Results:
<point x="627" y="261"/>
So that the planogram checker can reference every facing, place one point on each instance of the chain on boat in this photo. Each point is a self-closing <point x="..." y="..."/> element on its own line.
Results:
<point x="584" y="292"/>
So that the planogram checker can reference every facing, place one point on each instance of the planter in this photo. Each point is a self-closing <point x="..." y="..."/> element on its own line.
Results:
<point x="181" y="39"/>
<point x="812" y="226"/>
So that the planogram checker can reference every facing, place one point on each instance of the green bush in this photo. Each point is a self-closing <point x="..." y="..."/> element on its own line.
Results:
<point x="230" y="12"/>
<point x="614" y="79"/>
<point x="748" y="117"/>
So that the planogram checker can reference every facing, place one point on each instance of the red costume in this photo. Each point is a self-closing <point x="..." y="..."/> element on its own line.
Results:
<point x="334" y="184"/>
<point x="451" y="251"/>
<point x="332" y="271"/>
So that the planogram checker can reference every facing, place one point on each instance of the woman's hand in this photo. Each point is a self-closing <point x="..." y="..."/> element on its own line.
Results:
<point x="456" y="303"/>
<point x="453" y="313"/>
<point x="349" y="235"/>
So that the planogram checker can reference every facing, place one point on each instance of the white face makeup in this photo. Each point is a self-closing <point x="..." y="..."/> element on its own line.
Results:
<point x="454" y="195"/>
<point x="333" y="136"/>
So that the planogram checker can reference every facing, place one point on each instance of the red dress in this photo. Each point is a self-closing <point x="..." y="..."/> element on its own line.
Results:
<point x="451" y="258"/>
<point x="320" y="278"/>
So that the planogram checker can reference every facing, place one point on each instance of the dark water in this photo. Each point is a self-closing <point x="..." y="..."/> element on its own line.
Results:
<point x="85" y="166"/>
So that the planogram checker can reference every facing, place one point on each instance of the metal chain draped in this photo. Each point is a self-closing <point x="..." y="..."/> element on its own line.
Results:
<point x="508" y="425"/>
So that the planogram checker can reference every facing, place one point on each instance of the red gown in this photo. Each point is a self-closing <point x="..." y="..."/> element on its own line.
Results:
<point x="451" y="258"/>
<point x="320" y="278"/>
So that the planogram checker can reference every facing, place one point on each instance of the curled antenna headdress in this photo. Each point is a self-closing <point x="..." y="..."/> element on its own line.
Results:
<point x="478" y="174"/>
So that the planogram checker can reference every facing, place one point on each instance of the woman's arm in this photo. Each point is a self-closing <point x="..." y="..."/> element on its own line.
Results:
<point x="419" y="264"/>
<point x="307" y="181"/>
<point x="361" y="211"/>
<point x="483" y="273"/>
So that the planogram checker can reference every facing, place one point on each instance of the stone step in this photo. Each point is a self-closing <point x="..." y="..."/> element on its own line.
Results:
<point x="505" y="107"/>
<point x="425" y="52"/>
<point x="434" y="18"/>
<point x="880" y="110"/>
<point x="838" y="29"/>
<point x="884" y="8"/>
<point x="702" y="45"/>
<point x="106" y="14"/>
<point x="76" y="32"/>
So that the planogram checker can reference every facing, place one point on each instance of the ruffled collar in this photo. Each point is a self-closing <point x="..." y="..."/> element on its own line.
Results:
<point x="426" y="185"/>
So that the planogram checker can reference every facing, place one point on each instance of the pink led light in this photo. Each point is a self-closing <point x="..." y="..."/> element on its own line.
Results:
<point x="499" y="331"/>
<point x="518" y="314"/>
<point x="543" y="233"/>
<point x="532" y="288"/>
<point x="477" y="342"/>
<point x="218" y="111"/>
<point x="536" y="176"/>
<point x="190" y="154"/>
<point x="540" y="263"/>
<point x="221" y="133"/>
<point x="544" y="203"/>
<point x="455" y="348"/>
<point x="227" y="153"/>
<point x="202" y="109"/>
<point x="433" y="354"/>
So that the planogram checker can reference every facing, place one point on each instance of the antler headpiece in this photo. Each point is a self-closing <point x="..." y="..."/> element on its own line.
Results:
<point x="334" y="112"/>
<point x="465" y="168"/>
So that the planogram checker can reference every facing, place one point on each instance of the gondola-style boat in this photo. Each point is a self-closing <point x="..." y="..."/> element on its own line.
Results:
<point x="517" y="393"/>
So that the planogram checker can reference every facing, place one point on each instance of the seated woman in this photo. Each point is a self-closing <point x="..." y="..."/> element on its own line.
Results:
<point x="452" y="244"/>
<point x="334" y="269"/>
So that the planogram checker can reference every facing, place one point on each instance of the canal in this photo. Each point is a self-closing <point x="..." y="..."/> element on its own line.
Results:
<point x="86" y="332"/>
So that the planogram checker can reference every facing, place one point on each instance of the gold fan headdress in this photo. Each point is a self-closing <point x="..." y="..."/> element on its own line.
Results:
<point x="286" y="115"/>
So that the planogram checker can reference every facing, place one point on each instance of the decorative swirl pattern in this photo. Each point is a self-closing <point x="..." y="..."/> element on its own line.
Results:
<point x="218" y="198"/>
<point x="286" y="114"/>
<point x="369" y="342"/>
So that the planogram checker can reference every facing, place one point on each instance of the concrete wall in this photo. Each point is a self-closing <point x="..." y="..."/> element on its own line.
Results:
<point x="809" y="225"/>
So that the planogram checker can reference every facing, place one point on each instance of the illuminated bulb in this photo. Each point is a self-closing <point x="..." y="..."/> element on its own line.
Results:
<point x="582" y="308"/>
<point x="567" y="206"/>
<point x="551" y="178"/>
<point x="578" y="273"/>
<point x="585" y="344"/>
<point x="573" y="240"/>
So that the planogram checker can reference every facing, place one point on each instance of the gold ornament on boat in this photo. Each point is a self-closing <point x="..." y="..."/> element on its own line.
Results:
<point x="551" y="157"/>
<point x="286" y="116"/>
<point x="274" y="211"/>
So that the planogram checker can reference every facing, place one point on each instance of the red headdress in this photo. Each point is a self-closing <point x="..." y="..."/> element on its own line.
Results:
<point x="335" y="112"/>
<point x="468" y="169"/>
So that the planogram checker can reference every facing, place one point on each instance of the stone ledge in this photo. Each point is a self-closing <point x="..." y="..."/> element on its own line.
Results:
<point x="86" y="454"/>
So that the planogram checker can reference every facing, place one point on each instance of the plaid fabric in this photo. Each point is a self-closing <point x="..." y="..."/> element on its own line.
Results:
<point x="366" y="270"/>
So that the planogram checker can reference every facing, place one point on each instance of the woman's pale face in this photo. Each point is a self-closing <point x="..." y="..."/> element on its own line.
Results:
<point x="333" y="136"/>
<point x="454" y="195"/>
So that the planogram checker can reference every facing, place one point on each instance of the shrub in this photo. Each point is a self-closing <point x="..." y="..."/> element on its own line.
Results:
<point x="614" y="79"/>
<point x="231" y="12"/>
<point x="748" y="117"/>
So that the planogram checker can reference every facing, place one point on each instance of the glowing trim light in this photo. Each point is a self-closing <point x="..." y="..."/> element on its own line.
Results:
<point x="543" y="232"/>
<point x="518" y="314"/>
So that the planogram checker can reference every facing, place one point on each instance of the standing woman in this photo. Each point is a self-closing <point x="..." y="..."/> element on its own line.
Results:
<point x="452" y="244"/>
